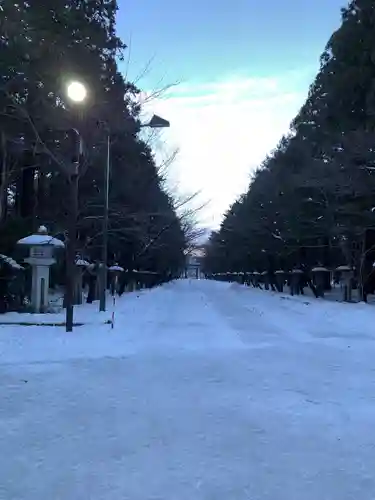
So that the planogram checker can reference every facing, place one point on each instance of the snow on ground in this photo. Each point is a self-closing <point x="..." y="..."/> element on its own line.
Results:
<point x="203" y="390"/>
<point x="83" y="314"/>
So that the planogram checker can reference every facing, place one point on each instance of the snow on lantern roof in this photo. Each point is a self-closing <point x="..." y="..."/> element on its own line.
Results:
<point x="11" y="262"/>
<point x="343" y="268"/>
<point x="320" y="269"/>
<point x="116" y="267"/>
<point x="82" y="262"/>
<point x="41" y="238"/>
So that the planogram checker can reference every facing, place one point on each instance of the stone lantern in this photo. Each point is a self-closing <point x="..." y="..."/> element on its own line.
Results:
<point x="296" y="281"/>
<point x="115" y="272"/>
<point x="41" y="258"/>
<point x="320" y="274"/>
<point x="346" y="276"/>
<point x="81" y="264"/>
<point x="250" y="277"/>
<point x="256" y="276"/>
<point x="280" y="279"/>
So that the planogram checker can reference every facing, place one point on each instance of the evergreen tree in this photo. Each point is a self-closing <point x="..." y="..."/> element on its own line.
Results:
<point x="312" y="198"/>
<point x="43" y="47"/>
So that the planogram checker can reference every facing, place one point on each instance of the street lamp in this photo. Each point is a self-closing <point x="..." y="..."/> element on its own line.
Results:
<point x="77" y="93"/>
<point x="155" y="122"/>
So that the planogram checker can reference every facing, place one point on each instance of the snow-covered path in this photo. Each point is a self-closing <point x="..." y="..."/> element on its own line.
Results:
<point x="202" y="391"/>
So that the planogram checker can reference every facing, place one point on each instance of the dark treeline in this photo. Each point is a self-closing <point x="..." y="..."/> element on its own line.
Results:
<point x="43" y="46"/>
<point x="312" y="200"/>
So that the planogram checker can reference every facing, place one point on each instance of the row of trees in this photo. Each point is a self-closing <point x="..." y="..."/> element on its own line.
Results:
<point x="43" y="46"/>
<point x="312" y="200"/>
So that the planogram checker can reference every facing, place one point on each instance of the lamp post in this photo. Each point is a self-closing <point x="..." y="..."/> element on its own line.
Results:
<point x="155" y="122"/>
<point x="77" y="93"/>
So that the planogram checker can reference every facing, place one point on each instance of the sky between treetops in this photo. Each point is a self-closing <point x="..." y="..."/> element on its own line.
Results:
<point x="242" y="69"/>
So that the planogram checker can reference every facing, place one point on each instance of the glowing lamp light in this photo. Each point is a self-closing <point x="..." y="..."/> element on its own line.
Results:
<point x="76" y="92"/>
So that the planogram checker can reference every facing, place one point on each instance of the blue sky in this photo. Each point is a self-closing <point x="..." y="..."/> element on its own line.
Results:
<point x="244" y="69"/>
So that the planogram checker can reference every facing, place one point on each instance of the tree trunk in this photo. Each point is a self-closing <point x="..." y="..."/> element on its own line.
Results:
<point x="92" y="288"/>
<point x="42" y="196"/>
<point x="4" y="180"/>
<point x="26" y="187"/>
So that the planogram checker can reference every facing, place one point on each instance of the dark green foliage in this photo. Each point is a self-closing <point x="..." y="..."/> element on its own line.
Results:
<point x="43" y="46"/>
<point x="312" y="198"/>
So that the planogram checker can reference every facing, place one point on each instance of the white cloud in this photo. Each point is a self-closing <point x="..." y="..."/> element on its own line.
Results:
<point x="224" y="130"/>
